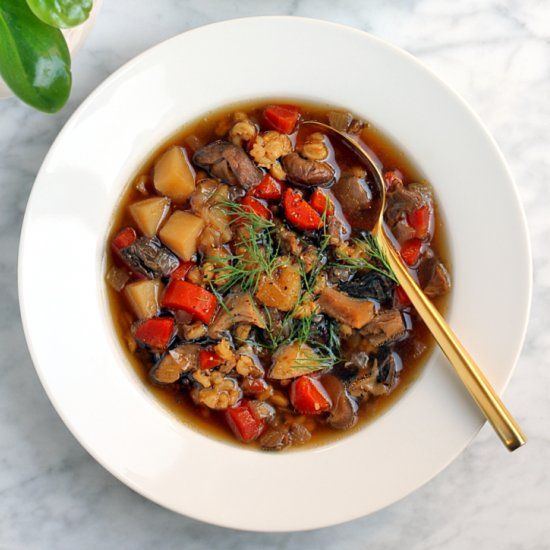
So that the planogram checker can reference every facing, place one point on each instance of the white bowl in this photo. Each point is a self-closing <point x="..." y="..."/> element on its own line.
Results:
<point x="63" y="300"/>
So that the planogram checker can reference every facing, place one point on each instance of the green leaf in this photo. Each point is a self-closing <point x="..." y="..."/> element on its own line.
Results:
<point x="61" y="13"/>
<point x="34" y="59"/>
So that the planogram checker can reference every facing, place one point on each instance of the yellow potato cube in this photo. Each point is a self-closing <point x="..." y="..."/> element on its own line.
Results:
<point x="174" y="176"/>
<point x="149" y="214"/>
<point x="144" y="297"/>
<point x="181" y="232"/>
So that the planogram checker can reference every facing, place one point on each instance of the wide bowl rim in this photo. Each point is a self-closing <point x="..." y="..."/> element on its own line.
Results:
<point x="120" y="74"/>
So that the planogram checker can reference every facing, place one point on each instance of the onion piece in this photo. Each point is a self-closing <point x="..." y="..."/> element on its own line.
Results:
<point x="339" y="120"/>
<point x="117" y="278"/>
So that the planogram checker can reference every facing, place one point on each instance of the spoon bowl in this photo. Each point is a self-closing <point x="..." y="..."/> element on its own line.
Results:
<point x="467" y="370"/>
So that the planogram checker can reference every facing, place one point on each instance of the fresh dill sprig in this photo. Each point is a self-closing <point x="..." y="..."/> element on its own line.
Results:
<point x="374" y="258"/>
<point x="257" y="255"/>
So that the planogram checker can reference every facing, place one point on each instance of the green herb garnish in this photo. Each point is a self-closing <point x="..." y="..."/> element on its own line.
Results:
<point x="374" y="258"/>
<point x="258" y="254"/>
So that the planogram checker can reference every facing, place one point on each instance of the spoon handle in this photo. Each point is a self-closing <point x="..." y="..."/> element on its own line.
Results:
<point x="479" y="387"/>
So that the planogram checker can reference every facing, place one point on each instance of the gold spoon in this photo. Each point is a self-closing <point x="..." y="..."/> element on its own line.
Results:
<point x="469" y="373"/>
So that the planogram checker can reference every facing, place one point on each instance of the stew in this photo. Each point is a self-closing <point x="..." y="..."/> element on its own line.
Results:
<point x="245" y="285"/>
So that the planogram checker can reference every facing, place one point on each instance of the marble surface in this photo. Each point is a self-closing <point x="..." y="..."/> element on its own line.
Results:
<point x="496" y="54"/>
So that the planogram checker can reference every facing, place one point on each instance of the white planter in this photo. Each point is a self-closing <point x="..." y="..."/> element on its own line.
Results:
<point x="75" y="37"/>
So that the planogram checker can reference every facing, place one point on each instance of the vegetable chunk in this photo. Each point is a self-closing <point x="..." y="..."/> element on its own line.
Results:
<point x="281" y="289"/>
<point x="149" y="214"/>
<point x="173" y="175"/>
<point x="181" y="232"/>
<point x="143" y="297"/>
<point x="352" y="311"/>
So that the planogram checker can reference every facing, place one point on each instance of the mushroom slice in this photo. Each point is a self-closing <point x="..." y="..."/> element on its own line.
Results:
<point x="240" y="308"/>
<point x="343" y="414"/>
<point x="174" y="363"/>
<point x="387" y="326"/>
<point x="150" y="258"/>
<point x="354" y="312"/>
<point x="311" y="173"/>
<point x="229" y="163"/>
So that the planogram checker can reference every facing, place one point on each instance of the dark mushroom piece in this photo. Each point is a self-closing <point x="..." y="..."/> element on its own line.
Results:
<point x="404" y="200"/>
<point x="343" y="414"/>
<point x="173" y="364"/>
<point x="310" y="173"/>
<point x="353" y="193"/>
<point x="229" y="163"/>
<point x="275" y="439"/>
<point x="433" y="277"/>
<point x="370" y="284"/>
<point x="387" y="326"/>
<point x="148" y="257"/>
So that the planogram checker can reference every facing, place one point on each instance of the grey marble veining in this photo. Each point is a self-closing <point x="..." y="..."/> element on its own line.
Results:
<point x="496" y="54"/>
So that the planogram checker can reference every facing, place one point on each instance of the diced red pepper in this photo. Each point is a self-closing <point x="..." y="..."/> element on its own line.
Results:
<point x="185" y="296"/>
<point x="419" y="220"/>
<point x="181" y="271"/>
<point x="268" y="189"/>
<point x="410" y="251"/>
<point x="209" y="359"/>
<point x="125" y="237"/>
<point x="299" y="212"/>
<point x="252" y="205"/>
<point x="402" y="297"/>
<point x="393" y="178"/>
<point x="321" y="203"/>
<point x="282" y="118"/>
<point x="243" y="422"/>
<point x="156" y="333"/>
<point x="308" y="396"/>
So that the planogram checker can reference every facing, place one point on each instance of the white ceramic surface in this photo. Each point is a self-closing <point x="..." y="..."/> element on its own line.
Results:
<point x="75" y="37"/>
<point x="96" y="392"/>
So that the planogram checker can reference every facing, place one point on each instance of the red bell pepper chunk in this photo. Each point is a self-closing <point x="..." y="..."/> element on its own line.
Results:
<point x="250" y="204"/>
<point x="243" y="422"/>
<point x="393" y="178"/>
<point x="181" y="271"/>
<point x="282" y="118"/>
<point x="410" y="251"/>
<point x="308" y="396"/>
<point x="209" y="359"/>
<point x="185" y="296"/>
<point x="300" y="213"/>
<point x="268" y="189"/>
<point x="125" y="237"/>
<point x="321" y="203"/>
<point x="419" y="220"/>
<point x="156" y="333"/>
<point x="402" y="297"/>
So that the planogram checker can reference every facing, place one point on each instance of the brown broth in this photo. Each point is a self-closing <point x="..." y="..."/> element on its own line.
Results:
<point x="204" y="128"/>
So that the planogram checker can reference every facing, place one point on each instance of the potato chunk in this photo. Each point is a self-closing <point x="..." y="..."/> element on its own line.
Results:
<point x="149" y="214"/>
<point x="143" y="297"/>
<point x="281" y="289"/>
<point x="180" y="233"/>
<point x="173" y="176"/>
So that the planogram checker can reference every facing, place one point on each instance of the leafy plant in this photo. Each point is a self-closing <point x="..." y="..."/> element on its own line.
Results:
<point x="34" y="58"/>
